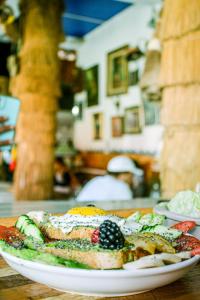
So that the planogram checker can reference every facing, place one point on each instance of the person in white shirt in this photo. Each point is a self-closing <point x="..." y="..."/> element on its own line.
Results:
<point x="116" y="185"/>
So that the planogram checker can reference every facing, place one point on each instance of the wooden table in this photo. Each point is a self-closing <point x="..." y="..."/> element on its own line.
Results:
<point x="14" y="286"/>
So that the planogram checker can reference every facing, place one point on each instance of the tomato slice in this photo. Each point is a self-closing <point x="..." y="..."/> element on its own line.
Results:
<point x="195" y="251"/>
<point x="9" y="233"/>
<point x="187" y="243"/>
<point x="2" y="232"/>
<point x="184" y="226"/>
<point x="2" y="228"/>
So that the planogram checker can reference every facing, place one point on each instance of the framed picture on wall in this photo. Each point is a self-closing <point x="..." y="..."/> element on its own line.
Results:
<point x="91" y="85"/>
<point x="133" y="120"/>
<point x="117" y="72"/>
<point x="97" y="120"/>
<point x="117" y="126"/>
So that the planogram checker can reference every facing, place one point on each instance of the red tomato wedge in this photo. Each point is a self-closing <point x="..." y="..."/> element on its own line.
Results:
<point x="187" y="243"/>
<point x="8" y="234"/>
<point x="184" y="226"/>
<point x="195" y="251"/>
<point x="3" y="230"/>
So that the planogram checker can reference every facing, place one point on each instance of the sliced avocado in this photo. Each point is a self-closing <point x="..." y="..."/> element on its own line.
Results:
<point x="150" y="242"/>
<point x="169" y="234"/>
<point x="140" y="241"/>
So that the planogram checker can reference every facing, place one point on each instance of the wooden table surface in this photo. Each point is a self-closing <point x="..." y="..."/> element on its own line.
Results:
<point x="14" y="286"/>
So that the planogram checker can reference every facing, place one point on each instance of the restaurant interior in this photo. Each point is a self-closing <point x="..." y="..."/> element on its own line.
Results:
<point x="94" y="80"/>
<point x="99" y="149"/>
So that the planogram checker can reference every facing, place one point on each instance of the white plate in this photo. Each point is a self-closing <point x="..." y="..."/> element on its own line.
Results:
<point x="105" y="283"/>
<point x="173" y="218"/>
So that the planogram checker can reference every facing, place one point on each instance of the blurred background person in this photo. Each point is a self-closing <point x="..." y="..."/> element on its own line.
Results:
<point x="117" y="184"/>
<point x="65" y="181"/>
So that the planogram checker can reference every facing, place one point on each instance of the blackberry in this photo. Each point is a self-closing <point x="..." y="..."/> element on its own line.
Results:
<point x="110" y="236"/>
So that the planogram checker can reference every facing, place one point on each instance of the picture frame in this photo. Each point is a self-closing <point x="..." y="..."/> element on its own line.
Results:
<point x="133" y="120"/>
<point x="97" y="120"/>
<point x="117" y="126"/>
<point x="92" y="85"/>
<point x="117" y="71"/>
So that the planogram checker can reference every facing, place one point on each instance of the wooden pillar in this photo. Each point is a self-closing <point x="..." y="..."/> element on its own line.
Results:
<point x="37" y="86"/>
<point x="180" y="80"/>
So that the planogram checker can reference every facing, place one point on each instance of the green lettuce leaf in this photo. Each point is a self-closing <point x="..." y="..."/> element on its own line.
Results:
<point x="186" y="203"/>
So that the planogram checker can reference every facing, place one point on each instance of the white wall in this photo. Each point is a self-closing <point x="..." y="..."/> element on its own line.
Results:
<point x="129" y="27"/>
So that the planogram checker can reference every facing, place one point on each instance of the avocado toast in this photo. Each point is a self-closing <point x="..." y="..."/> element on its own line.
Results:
<point x="86" y="246"/>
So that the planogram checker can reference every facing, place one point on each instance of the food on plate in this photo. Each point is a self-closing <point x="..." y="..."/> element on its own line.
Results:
<point x="152" y="261"/>
<point x="94" y="256"/>
<point x="80" y="223"/>
<point x="38" y="256"/>
<point x="186" y="203"/>
<point x="89" y="237"/>
<point x="154" y="223"/>
<point x="150" y="242"/>
<point x="105" y="249"/>
<point x="28" y="227"/>
<point x="187" y="243"/>
<point x="195" y="251"/>
<point x="87" y="211"/>
<point x="184" y="226"/>
<point x="11" y="235"/>
<point x="150" y="219"/>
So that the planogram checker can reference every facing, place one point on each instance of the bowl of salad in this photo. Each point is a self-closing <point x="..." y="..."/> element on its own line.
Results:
<point x="92" y="252"/>
<point x="185" y="206"/>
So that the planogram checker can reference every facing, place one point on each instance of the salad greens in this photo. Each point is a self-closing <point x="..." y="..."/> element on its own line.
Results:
<point x="186" y="203"/>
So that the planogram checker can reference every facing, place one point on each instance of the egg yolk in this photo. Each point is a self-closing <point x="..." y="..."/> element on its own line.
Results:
<point x="87" y="211"/>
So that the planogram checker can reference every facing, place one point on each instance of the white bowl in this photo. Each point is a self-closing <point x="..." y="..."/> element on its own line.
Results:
<point x="173" y="218"/>
<point x="100" y="282"/>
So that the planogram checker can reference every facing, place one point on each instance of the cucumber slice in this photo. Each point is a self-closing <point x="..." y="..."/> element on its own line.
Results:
<point x="21" y="221"/>
<point x="33" y="231"/>
<point x="25" y="224"/>
<point x="29" y="228"/>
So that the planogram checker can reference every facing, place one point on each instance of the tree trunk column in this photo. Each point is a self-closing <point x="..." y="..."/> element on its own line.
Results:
<point x="180" y="80"/>
<point x="37" y="86"/>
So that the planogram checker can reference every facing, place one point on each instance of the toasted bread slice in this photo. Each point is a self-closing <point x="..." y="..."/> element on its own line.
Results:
<point x="93" y="256"/>
<point x="94" y="259"/>
<point x="76" y="233"/>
